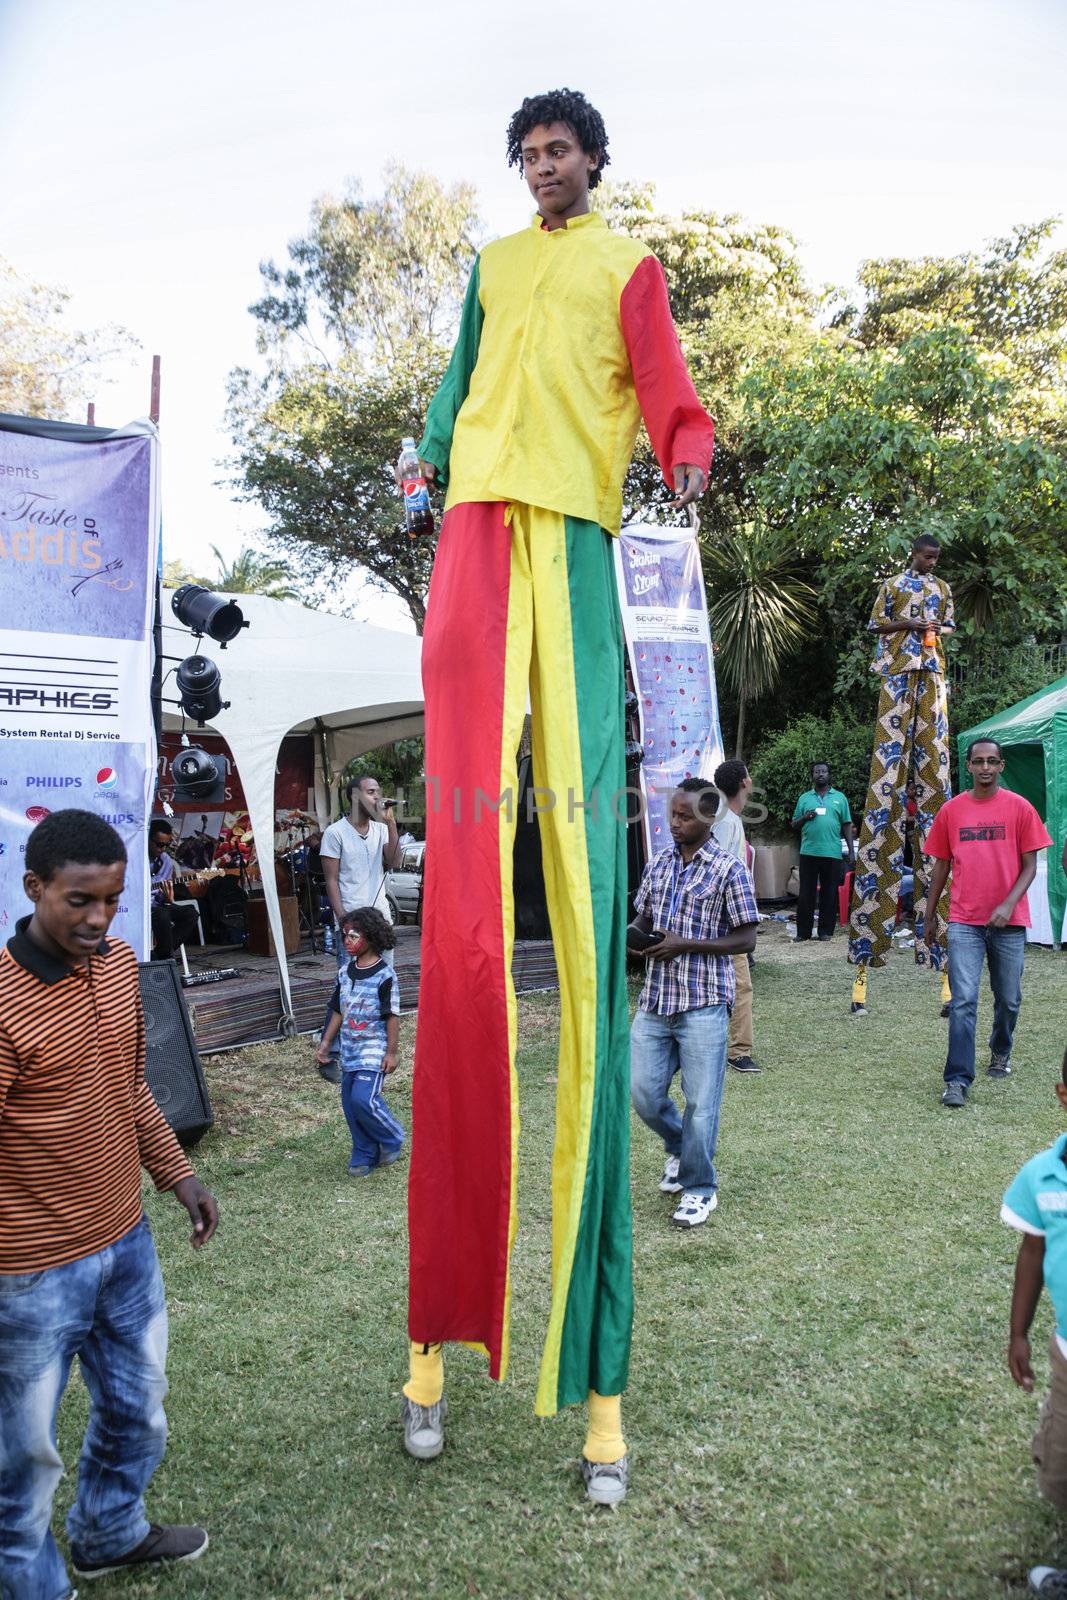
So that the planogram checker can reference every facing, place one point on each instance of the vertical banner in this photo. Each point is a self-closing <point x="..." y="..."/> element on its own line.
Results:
<point x="79" y="541"/>
<point x="668" y="643"/>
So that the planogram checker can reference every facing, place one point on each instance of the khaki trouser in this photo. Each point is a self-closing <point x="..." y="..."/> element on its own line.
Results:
<point x="1049" y="1445"/>
<point x="741" y="1015"/>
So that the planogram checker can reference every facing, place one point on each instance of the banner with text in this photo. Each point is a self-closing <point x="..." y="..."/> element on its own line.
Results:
<point x="668" y="643"/>
<point x="79" y="532"/>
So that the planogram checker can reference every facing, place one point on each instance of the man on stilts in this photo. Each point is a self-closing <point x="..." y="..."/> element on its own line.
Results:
<point x="912" y="612"/>
<point x="566" y="339"/>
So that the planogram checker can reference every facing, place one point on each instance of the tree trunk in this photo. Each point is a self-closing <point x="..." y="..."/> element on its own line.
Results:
<point x="739" y="741"/>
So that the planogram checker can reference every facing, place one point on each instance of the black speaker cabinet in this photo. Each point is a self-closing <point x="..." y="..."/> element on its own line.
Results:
<point x="172" y="1066"/>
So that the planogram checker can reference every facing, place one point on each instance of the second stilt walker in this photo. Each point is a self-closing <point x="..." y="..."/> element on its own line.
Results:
<point x="912" y="612"/>
<point x="566" y="340"/>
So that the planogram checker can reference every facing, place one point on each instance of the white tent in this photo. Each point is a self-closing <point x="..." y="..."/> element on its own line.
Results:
<point x="300" y="671"/>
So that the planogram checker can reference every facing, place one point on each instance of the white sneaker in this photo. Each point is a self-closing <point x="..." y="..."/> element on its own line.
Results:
<point x="693" y="1209"/>
<point x="606" y="1483"/>
<point x="424" y="1429"/>
<point x="669" y="1181"/>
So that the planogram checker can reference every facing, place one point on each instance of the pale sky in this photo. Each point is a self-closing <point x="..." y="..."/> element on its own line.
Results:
<point x="154" y="154"/>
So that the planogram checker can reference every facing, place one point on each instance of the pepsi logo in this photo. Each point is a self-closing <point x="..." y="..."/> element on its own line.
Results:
<point x="36" y="813"/>
<point x="107" y="778"/>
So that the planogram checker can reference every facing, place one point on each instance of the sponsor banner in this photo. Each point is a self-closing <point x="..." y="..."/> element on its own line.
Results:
<point x="668" y="644"/>
<point x="78" y="553"/>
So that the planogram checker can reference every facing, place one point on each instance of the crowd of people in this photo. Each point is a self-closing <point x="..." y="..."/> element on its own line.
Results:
<point x="563" y="321"/>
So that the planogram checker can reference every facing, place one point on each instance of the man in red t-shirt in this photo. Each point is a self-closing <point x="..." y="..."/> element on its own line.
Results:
<point x="990" y="838"/>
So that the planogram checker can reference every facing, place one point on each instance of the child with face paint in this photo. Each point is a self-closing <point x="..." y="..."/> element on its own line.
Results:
<point x="365" y="1011"/>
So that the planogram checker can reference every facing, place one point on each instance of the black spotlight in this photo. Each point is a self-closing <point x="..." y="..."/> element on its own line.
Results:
<point x="197" y="608"/>
<point x="199" y="689"/>
<point x="197" y="776"/>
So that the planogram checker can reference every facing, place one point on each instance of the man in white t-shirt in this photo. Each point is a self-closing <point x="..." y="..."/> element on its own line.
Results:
<point x="734" y="783"/>
<point x="356" y="853"/>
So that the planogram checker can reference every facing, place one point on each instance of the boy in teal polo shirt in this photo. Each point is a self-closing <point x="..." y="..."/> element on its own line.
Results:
<point x="1036" y="1204"/>
<point x="823" y="819"/>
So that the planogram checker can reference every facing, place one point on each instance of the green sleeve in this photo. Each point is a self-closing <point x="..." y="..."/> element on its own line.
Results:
<point x="796" y="809"/>
<point x="436" y="442"/>
<point x="846" y="813"/>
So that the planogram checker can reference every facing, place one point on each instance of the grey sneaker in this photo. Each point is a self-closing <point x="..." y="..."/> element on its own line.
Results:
<point x="955" y="1094"/>
<point x="160" y="1544"/>
<point x="1049" y="1582"/>
<point x="745" y="1064"/>
<point x="669" y="1181"/>
<point x="999" y="1066"/>
<point x="424" y="1429"/>
<point x="606" y="1481"/>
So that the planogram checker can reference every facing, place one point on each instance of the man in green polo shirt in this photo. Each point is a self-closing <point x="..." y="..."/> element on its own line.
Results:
<point x="822" y="819"/>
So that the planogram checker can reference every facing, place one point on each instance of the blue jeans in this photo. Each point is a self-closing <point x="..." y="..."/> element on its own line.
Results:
<point x="372" y="1125"/>
<point x="693" y="1043"/>
<point x="388" y="956"/>
<point x="968" y="947"/>
<point x="109" y="1311"/>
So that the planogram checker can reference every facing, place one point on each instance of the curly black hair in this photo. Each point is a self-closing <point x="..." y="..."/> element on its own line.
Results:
<point x="80" y="838"/>
<point x="729" y="776"/>
<point x="561" y="105"/>
<point x="707" y="796"/>
<point x="376" y="929"/>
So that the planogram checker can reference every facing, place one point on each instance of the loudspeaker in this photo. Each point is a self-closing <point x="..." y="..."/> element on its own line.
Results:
<point x="172" y="1066"/>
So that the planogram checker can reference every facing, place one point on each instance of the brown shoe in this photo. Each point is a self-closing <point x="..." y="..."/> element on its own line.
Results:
<point x="168" y="1543"/>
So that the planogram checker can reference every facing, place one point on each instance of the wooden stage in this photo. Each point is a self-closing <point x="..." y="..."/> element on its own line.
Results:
<point x="247" y="1009"/>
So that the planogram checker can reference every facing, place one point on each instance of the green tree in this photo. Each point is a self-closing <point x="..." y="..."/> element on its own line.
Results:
<point x="760" y="608"/>
<point x="175" y="573"/>
<point x="47" y="368"/>
<point x="354" y="334"/>
<point x="860" y="451"/>
<point x="252" y="573"/>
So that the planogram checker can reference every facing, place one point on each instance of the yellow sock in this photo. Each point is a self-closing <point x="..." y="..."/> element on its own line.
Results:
<point x="604" y="1441"/>
<point x="946" y="992"/>
<point x="427" y="1382"/>
<point x="859" y="987"/>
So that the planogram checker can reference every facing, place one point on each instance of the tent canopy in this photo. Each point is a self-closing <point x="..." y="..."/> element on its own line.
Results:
<point x="1033" y="736"/>
<point x="297" y="671"/>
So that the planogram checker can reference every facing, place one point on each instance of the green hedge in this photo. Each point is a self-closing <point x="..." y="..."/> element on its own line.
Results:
<point x="782" y="767"/>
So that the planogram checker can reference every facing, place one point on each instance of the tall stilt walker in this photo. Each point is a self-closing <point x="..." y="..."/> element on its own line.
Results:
<point x="912" y="612"/>
<point x="566" y="340"/>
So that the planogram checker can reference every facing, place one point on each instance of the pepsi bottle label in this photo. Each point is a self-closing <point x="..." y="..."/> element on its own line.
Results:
<point x="416" y="495"/>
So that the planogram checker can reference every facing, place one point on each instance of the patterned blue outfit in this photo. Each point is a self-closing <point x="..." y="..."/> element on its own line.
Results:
<point x="365" y="998"/>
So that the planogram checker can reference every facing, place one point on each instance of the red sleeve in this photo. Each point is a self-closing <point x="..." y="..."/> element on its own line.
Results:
<point x="938" y="842"/>
<point x="1033" y="835"/>
<point x="679" y="427"/>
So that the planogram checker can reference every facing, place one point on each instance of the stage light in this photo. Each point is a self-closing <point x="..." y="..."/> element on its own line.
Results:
<point x="197" y="776"/>
<point x="200" y="689"/>
<point x="197" y="608"/>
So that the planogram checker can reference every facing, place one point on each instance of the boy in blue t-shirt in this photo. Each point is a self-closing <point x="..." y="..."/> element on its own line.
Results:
<point x="1036" y="1204"/>
<point x="365" y="1010"/>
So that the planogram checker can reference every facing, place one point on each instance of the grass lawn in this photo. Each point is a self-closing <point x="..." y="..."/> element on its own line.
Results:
<point x="819" y="1404"/>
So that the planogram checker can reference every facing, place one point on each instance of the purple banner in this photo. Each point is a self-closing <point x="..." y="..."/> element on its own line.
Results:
<point x="78" y="546"/>
<point x="668" y="642"/>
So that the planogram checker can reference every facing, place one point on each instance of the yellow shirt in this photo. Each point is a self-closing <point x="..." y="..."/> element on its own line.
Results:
<point x="566" y="338"/>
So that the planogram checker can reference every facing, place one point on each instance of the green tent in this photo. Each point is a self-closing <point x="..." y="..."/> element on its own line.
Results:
<point x="1033" y="736"/>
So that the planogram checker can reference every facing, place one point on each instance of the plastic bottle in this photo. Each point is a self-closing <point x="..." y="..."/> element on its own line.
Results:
<point x="418" y="517"/>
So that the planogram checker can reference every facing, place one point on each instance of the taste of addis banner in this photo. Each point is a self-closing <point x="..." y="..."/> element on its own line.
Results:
<point x="668" y="642"/>
<point x="79" y="540"/>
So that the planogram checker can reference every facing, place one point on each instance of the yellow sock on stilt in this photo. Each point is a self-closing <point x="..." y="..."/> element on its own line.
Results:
<point x="859" y="987"/>
<point x="427" y="1382"/>
<point x="604" y="1441"/>
<point x="946" y="992"/>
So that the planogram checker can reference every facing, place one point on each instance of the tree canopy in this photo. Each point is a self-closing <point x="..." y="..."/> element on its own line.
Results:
<point x="48" y="368"/>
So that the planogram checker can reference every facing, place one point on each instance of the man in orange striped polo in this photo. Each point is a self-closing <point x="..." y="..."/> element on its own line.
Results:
<point x="78" y="1269"/>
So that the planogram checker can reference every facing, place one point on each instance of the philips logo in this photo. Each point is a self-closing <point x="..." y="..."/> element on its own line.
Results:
<point x="53" y="783"/>
<point x="120" y="819"/>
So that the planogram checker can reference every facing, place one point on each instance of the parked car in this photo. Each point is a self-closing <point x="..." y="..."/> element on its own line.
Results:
<point x="403" y="885"/>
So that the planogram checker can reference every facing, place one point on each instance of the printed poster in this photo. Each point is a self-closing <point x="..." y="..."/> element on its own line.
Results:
<point x="79" y="536"/>
<point x="668" y="644"/>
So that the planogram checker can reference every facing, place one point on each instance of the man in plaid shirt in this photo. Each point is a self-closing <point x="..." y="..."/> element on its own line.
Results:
<point x="700" y="903"/>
